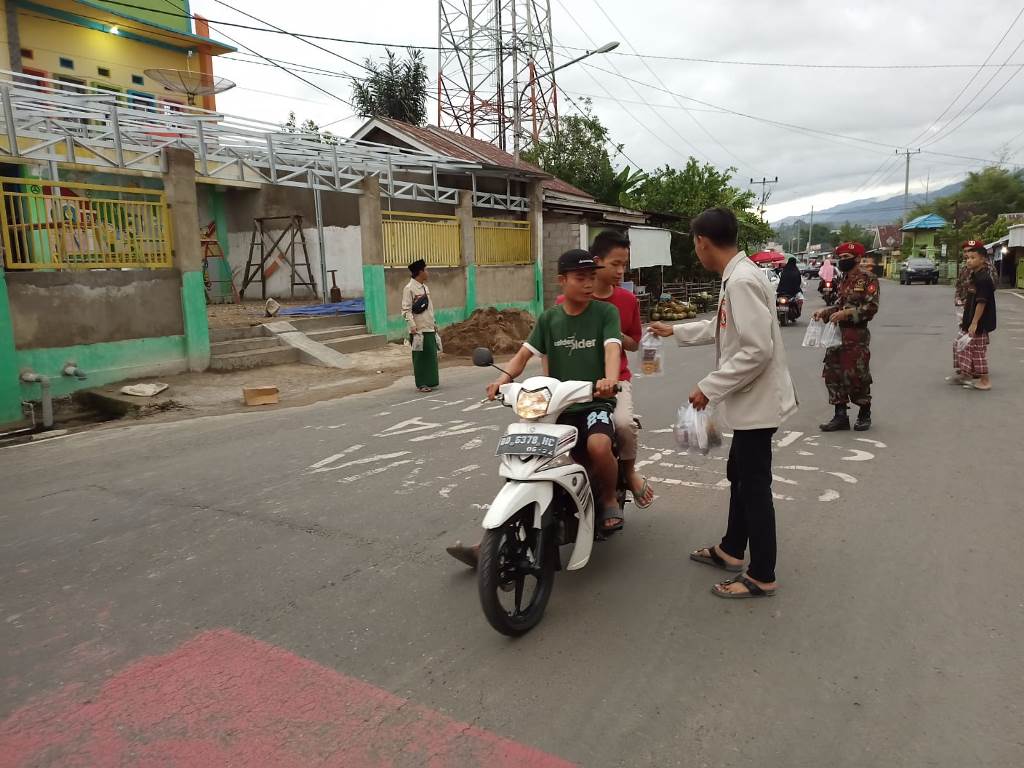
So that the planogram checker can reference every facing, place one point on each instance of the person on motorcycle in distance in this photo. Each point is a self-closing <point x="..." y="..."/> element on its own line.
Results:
<point x="790" y="281"/>
<point x="581" y="341"/>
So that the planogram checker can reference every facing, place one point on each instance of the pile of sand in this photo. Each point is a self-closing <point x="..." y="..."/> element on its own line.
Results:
<point x="503" y="332"/>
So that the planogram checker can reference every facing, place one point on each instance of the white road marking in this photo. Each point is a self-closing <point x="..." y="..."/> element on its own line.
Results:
<point x="357" y="462"/>
<point x="674" y="481"/>
<point x="661" y="431"/>
<point x="829" y="495"/>
<point x="1019" y="296"/>
<point x="801" y="468"/>
<point x="480" y="506"/>
<point x="876" y="443"/>
<point x="473" y="444"/>
<point x="446" y="403"/>
<point x="844" y="477"/>
<point x="804" y="453"/>
<point x="780" y="497"/>
<point x="688" y="467"/>
<point x="464" y="470"/>
<point x="375" y="471"/>
<point x="858" y="455"/>
<point x="789" y="439"/>
<point x="723" y="484"/>
<point x="446" y="492"/>
<point x="786" y="481"/>
<point x="415" y="424"/>
<point x="453" y="431"/>
<point x="335" y="457"/>
<point x="473" y="407"/>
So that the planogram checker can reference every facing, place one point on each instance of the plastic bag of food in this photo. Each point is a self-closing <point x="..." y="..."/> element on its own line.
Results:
<point x="417" y="342"/>
<point x="962" y="341"/>
<point x="832" y="336"/>
<point x="812" y="337"/>
<point x="650" y="357"/>
<point x="697" y="430"/>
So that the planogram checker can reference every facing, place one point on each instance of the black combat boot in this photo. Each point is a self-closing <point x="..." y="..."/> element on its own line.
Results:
<point x="863" y="419"/>
<point x="839" y="422"/>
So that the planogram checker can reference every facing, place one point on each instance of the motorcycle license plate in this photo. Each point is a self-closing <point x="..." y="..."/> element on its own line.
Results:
<point x="528" y="445"/>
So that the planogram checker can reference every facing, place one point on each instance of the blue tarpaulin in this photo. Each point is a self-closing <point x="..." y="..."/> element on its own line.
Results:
<point x="347" y="307"/>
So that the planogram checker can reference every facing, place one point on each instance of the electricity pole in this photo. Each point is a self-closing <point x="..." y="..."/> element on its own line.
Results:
<point x="765" y="193"/>
<point x="906" y="183"/>
<point x="810" y="230"/>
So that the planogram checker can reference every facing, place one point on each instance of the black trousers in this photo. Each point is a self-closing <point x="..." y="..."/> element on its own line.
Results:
<point x="751" y="511"/>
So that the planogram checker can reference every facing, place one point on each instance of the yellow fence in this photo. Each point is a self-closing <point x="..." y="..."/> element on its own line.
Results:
<point x="410" y="236"/>
<point x="498" y="242"/>
<point x="63" y="225"/>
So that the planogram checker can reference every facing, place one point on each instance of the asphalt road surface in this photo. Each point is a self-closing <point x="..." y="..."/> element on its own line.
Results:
<point x="271" y="588"/>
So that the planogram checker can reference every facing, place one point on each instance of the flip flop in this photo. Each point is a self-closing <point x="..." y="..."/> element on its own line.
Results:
<point x="468" y="555"/>
<point x="715" y="560"/>
<point x="972" y="385"/>
<point x="956" y="380"/>
<point x="610" y="513"/>
<point x="643" y="492"/>
<point x="753" y="590"/>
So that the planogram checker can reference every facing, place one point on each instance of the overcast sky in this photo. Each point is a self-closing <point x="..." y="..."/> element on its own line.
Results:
<point x="889" y="106"/>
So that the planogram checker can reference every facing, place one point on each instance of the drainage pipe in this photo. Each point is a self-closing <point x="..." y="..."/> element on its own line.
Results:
<point x="29" y="377"/>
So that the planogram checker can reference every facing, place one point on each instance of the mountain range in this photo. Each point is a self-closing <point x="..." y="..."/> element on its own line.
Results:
<point x="869" y="212"/>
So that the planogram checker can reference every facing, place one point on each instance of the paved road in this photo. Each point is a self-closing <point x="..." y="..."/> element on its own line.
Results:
<point x="271" y="588"/>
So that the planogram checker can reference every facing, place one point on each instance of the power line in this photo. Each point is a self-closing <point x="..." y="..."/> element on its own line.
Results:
<point x="938" y="137"/>
<point x="661" y="82"/>
<point x="618" y="149"/>
<point x="637" y="92"/>
<point x="971" y="80"/>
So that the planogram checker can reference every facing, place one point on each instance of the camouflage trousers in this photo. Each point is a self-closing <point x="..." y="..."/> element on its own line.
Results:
<point x="847" y="371"/>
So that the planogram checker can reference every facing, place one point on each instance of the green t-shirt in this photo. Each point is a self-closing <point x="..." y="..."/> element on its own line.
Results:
<point x="575" y="344"/>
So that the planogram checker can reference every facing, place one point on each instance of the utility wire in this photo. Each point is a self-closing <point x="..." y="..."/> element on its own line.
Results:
<point x="661" y="82"/>
<point x="941" y="136"/>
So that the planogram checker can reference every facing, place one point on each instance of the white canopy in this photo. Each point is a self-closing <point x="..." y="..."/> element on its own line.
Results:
<point x="649" y="247"/>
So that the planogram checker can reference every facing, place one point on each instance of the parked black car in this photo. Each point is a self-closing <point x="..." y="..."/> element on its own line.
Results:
<point x="920" y="270"/>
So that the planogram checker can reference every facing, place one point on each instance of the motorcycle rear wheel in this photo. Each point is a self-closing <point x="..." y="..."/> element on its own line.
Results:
<point x="510" y="562"/>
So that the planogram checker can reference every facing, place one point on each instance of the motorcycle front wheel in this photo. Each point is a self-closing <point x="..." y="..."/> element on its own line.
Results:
<point x="516" y="574"/>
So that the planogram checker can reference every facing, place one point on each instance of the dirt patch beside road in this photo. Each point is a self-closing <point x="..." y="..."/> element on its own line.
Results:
<point x="501" y="331"/>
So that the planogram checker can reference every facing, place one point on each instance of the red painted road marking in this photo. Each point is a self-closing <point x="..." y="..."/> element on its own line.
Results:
<point x="223" y="699"/>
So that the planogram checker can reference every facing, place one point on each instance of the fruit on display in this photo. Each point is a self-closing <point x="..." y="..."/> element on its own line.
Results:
<point x="702" y="301"/>
<point x="673" y="310"/>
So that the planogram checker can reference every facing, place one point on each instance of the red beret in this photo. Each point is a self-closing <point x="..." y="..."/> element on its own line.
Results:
<point x="855" y="249"/>
<point x="973" y="244"/>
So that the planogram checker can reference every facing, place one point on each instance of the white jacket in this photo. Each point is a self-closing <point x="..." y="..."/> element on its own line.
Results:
<point x="424" y="321"/>
<point x="751" y="382"/>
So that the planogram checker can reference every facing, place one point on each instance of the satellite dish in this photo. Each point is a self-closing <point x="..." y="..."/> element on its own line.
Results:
<point x="190" y="83"/>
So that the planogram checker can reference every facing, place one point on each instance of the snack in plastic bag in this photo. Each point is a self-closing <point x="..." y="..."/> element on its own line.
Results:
<point x="650" y="356"/>
<point x="832" y="336"/>
<point x="417" y="342"/>
<point x="697" y="430"/>
<point x="962" y="341"/>
<point x="813" y="336"/>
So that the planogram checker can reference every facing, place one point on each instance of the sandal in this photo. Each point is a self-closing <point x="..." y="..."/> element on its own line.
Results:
<point x="426" y="390"/>
<point x="752" y="590"/>
<point x="974" y="385"/>
<point x="644" y="490"/>
<point x="468" y="555"/>
<point x="714" y="560"/>
<point x="611" y="513"/>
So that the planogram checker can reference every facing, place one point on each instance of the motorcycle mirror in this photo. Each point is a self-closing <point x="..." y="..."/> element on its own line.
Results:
<point x="482" y="357"/>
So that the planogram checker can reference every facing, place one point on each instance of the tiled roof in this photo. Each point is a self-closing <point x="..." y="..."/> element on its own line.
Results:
<point x="467" y="148"/>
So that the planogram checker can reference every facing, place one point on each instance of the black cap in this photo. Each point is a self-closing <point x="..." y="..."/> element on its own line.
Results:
<point x="576" y="260"/>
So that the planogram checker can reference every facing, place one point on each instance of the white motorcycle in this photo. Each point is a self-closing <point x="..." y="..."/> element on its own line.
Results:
<point x="546" y="503"/>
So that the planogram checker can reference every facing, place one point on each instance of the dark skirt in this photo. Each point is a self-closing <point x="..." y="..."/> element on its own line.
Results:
<point x="424" y="363"/>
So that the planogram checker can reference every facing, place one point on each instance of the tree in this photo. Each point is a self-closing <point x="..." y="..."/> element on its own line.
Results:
<point x="395" y="88"/>
<point x="854" y="233"/>
<point x="578" y="154"/>
<point x="689" y="191"/>
<point x="308" y="128"/>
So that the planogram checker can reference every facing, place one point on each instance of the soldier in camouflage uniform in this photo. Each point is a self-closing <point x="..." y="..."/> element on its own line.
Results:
<point x="847" y="371"/>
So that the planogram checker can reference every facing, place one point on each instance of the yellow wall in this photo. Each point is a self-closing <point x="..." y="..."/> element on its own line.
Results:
<point x="50" y="39"/>
<point x="5" y="59"/>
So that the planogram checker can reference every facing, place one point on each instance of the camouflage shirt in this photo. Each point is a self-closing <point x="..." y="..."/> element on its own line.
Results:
<point x="859" y="293"/>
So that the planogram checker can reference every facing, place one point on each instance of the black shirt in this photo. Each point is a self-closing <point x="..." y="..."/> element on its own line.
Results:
<point x="980" y="288"/>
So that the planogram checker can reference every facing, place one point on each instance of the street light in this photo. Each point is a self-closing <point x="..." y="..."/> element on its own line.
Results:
<point x="517" y="131"/>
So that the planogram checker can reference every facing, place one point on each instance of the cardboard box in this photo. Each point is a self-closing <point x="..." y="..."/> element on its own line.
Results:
<point x="266" y="394"/>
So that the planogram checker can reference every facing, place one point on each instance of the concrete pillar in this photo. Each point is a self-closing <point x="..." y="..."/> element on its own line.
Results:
<point x="371" y="237"/>
<point x="180" y="189"/>
<point x="535" y="215"/>
<point x="464" y="213"/>
<point x="10" y="390"/>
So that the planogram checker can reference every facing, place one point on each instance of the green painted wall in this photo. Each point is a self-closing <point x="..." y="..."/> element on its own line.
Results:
<point x="197" y="328"/>
<point x="376" y="297"/>
<point x="10" y="391"/>
<point x="470" y="289"/>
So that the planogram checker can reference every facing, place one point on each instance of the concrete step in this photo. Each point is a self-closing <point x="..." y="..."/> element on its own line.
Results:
<point x="339" y="332"/>
<point x="244" y="345"/>
<point x="238" y="361"/>
<point x="359" y="343"/>
<point x="307" y="324"/>
<point x="233" y="334"/>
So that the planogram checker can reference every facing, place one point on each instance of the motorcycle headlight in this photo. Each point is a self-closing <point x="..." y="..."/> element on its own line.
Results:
<point x="532" y="405"/>
<point x="783" y="300"/>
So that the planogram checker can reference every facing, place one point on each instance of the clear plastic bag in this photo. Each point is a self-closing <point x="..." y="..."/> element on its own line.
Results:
<point x="832" y="336"/>
<point x="962" y="341"/>
<point x="417" y="342"/>
<point x="697" y="430"/>
<point x="650" y="357"/>
<point x="812" y="337"/>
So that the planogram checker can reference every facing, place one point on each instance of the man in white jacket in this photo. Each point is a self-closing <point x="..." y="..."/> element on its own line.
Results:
<point x="753" y="392"/>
